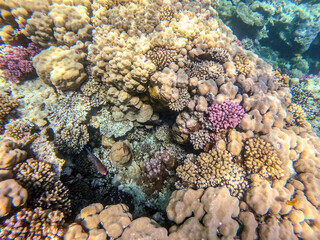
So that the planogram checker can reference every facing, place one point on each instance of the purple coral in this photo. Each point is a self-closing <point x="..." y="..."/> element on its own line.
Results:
<point x="156" y="168"/>
<point x="227" y="115"/>
<point x="16" y="62"/>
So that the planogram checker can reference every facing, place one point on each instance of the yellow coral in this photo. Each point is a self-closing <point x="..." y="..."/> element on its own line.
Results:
<point x="260" y="157"/>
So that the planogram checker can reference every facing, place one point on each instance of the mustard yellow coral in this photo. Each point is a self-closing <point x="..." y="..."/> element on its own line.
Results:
<point x="260" y="157"/>
<point x="299" y="116"/>
<point x="242" y="64"/>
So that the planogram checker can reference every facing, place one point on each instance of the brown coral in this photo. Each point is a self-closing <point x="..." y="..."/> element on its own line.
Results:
<point x="19" y="129"/>
<point x="94" y="221"/>
<point x="243" y="65"/>
<point x="144" y="228"/>
<point x="181" y="102"/>
<point x="200" y="139"/>
<point x="204" y="70"/>
<point x="217" y="54"/>
<point x="120" y="153"/>
<point x="10" y="155"/>
<point x="162" y="57"/>
<point x="215" y="168"/>
<point x="260" y="157"/>
<point x="44" y="190"/>
<point x="299" y="116"/>
<point x="33" y="224"/>
<point x="281" y="78"/>
<point x="72" y="139"/>
<point x="7" y="104"/>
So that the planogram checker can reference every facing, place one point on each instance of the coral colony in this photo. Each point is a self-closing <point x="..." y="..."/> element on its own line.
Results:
<point x="152" y="120"/>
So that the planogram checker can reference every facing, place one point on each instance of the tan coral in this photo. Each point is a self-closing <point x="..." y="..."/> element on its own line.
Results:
<point x="11" y="195"/>
<point x="43" y="188"/>
<point x="19" y="129"/>
<point x="242" y="64"/>
<point x="10" y="154"/>
<point x="33" y="224"/>
<point x="120" y="153"/>
<point x="114" y="219"/>
<point x="144" y="228"/>
<point x="219" y="210"/>
<point x="260" y="157"/>
<point x="162" y="57"/>
<point x="299" y="116"/>
<point x="213" y="169"/>
<point x="7" y="105"/>
<point x="61" y="68"/>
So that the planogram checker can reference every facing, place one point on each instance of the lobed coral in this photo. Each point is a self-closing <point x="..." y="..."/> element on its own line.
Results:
<point x="11" y="195"/>
<point x="60" y="68"/>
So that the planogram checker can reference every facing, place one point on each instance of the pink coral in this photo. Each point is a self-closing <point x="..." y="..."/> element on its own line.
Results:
<point x="227" y="115"/>
<point x="16" y="62"/>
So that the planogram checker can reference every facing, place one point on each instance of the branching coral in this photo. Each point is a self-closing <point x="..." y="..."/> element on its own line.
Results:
<point x="16" y="63"/>
<point x="44" y="189"/>
<point x="261" y="158"/>
<point x="242" y="64"/>
<point x="7" y="105"/>
<point x="162" y="57"/>
<point x="204" y="70"/>
<point x="166" y="12"/>
<point x="227" y="115"/>
<point x="33" y="224"/>
<point x="18" y="129"/>
<point x="215" y="168"/>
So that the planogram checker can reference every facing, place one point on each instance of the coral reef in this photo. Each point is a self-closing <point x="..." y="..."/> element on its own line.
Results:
<point x="44" y="189"/>
<point x="166" y="98"/>
<point x="227" y="115"/>
<point x="11" y="195"/>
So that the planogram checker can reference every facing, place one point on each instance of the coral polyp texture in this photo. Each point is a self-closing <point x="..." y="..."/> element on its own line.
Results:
<point x="227" y="115"/>
<point x="16" y="62"/>
<point x="261" y="158"/>
<point x="153" y="111"/>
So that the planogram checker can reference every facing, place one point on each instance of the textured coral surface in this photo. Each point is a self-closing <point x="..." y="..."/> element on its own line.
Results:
<point x="149" y="120"/>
